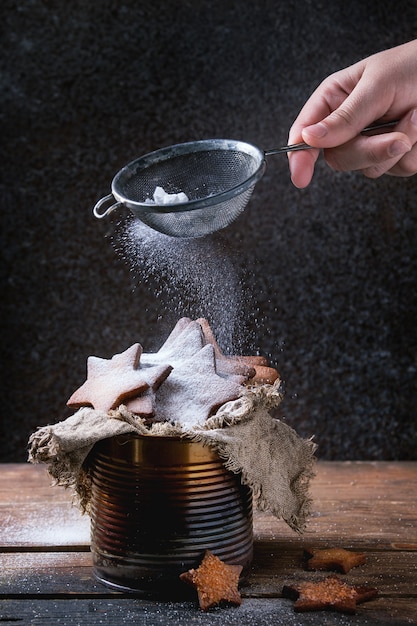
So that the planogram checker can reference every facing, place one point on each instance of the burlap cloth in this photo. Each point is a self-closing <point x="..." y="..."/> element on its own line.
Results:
<point x="270" y="456"/>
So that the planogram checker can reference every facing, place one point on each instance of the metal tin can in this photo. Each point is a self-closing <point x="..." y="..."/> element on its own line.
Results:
<point x="157" y="504"/>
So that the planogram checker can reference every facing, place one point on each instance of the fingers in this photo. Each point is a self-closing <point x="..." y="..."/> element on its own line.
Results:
<point x="359" y="109"/>
<point x="302" y="163"/>
<point x="393" y="153"/>
<point x="368" y="154"/>
<point x="302" y="166"/>
<point x="379" y="154"/>
<point x="328" y="97"/>
<point x="407" y="164"/>
<point x="381" y="87"/>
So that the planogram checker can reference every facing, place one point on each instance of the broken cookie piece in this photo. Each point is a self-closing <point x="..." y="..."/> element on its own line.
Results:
<point x="215" y="582"/>
<point x="329" y="594"/>
<point x="333" y="559"/>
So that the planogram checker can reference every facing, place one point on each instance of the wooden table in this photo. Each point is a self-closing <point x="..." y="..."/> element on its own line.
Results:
<point x="46" y="574"/>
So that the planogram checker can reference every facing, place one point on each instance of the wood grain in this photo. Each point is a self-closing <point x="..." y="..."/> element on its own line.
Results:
<point x="46" y="566"/>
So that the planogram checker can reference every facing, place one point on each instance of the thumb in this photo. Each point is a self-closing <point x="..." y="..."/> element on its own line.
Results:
<point x="340" y="126"/>
<point x="361" y="107"/>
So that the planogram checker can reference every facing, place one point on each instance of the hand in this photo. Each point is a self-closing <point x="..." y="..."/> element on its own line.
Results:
<point x="382" y="87"/>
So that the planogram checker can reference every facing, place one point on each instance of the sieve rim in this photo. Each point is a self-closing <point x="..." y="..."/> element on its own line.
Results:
<point x="181" y="149"/>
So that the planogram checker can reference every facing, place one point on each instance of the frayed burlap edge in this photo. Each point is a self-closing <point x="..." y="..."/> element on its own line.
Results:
<point x="271" y="458"/>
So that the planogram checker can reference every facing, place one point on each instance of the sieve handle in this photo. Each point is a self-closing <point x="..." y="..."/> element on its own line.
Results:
<point x="98" y="214"/>
<point x="292" y="148"/>
<point x="304" y="146"/>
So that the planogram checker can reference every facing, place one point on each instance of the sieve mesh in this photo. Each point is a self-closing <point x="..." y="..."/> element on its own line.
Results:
<point x="218" y="177"/>
<point x="198" y="175"/>
<point x="198" y="222"/>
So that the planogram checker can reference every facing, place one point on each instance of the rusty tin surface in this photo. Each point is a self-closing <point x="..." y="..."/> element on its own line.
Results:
<point x="157" y="504"/>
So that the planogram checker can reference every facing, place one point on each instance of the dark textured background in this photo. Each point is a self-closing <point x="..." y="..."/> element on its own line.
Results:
<point x="86" y="87"/>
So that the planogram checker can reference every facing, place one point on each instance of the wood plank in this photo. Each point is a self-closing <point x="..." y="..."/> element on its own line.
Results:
<point x="367" y="506"/>
<point x="142" y="612"/>
<point x="41" y="561"/>
<point x="393" y="573"/>
<point x="357" y="501"/>
<point x="384" y="524"/>
<point x="57" y="523"/>
<point x="33" y="513"/>
<point x="22" y="481"/>
<point x="54" y="524"/>
<point x="349" y="480"/>
<point x="351" y="502"/>
<point x="360" y="480"/>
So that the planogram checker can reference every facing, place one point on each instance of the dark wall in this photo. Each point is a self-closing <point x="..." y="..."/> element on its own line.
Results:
<point x="88" y="86"/>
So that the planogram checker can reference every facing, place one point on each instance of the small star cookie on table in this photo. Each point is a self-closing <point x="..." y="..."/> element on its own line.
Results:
<point x="329" y="594"/>
<point x="215" y="581"/>
<point x="336" y="559"/>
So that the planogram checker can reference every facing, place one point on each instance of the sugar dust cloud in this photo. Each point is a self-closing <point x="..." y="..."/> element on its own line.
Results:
<point x="193" y="278"/>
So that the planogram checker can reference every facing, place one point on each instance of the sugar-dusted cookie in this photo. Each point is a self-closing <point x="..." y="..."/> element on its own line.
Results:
<point x="328" y="594"/>
<point x="215" y="581"/>
<point x="113" y="381"/>
<point x="333" y="559"/>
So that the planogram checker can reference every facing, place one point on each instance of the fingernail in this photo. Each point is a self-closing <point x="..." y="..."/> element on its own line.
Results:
<point x="317" y="130"/>
<point x="413" y="118"/>
<point x="398" y="147"/>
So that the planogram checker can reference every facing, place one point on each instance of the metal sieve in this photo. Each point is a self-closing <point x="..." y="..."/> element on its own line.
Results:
<point x="218" y="177"/>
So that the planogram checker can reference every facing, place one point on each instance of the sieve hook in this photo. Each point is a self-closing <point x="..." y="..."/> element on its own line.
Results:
<point x="109" y="209"/>
<point x="304" y="146"/>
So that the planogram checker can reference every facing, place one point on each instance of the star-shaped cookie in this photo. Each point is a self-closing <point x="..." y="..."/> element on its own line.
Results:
<point x="194" y="390"/>
<point x="215" y="582"/>
<point x="328" y="594"/>
<point x="144" y="404"/>
<point x="113" y="381"/>
<point x="225" y="365"/>
<point x="252" y="368"/>
<point x="333" y="559"/>
<point x="185" y="340"/>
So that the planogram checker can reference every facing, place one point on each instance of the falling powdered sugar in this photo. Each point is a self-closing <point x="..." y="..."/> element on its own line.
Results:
<point x="190" y="277"/>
